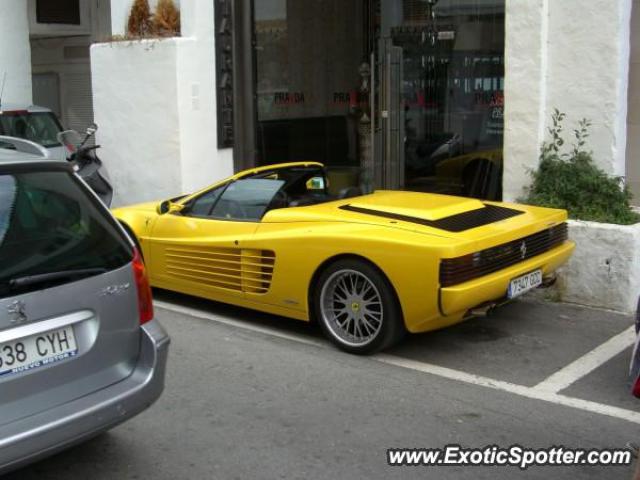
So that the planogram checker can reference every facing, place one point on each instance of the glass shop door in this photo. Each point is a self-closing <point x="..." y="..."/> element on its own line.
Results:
<point x="439" y="96"/>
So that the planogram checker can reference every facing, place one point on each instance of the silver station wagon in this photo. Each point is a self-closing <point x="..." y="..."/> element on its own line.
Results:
<point x="80" y="351"/>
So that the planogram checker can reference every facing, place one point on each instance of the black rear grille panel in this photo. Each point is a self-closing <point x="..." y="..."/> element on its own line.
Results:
<point x="454" y="271"/>
<point x="455" y="223"/>
<point x="476" y="218"/>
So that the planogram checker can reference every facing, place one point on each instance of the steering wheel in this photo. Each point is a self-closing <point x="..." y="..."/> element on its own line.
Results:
<point x="279" y="200"/>
<point x="39" y="133"/>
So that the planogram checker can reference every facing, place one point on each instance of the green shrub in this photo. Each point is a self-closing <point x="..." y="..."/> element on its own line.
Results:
<point x="573" y="182"/>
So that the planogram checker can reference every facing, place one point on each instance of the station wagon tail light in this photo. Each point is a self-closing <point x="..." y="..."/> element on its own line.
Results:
<point x="145" y="301"/>
<point x="15" y="112"/>
<point x="636" y="387"/>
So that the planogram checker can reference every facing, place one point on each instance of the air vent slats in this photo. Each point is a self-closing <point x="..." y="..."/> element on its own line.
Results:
<point x="197" y="260"/>
<point x="242" y="270"/>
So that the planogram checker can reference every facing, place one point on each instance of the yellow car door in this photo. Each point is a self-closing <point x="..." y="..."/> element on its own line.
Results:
<point x="202" y="249"/>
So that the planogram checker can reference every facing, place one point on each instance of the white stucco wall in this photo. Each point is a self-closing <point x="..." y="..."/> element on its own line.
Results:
<point x="15" y="52"/>
<point x="574" y="56"/>
<point x="526" y="37"/>
<point x="604" y="270"/>
<point x="633" y="113"/>
<point x="157" y="99"/>
<point x="134" y="100"/>
<point x="588" y="72"/>
<point x="202" y="162"/>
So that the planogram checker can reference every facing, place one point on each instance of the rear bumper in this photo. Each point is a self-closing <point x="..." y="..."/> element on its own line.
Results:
<point x="457" y="300"/>
<point x="31" y="438"/>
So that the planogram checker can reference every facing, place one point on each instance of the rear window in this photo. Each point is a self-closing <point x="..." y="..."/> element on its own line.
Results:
<point x="49" y="225"/>
<point x="39" y="127"/>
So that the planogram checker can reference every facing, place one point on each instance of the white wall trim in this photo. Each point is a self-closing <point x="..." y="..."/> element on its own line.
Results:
<point x="544" y="70"/>
<point x="15" y="53"/>
<point x="526" y="72"/>
<point x="620" y="166"/>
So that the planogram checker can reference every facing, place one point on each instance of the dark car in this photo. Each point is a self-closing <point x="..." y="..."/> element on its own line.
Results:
<point x="36" y="124"/>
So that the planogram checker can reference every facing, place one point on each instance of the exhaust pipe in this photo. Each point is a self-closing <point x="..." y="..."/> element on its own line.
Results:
<point x="548" y="280"/>
<point x="482" y="310"/>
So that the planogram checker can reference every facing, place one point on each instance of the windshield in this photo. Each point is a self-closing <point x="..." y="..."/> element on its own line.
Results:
<point x="39" y="127"/>
<point x="49" y="226"/>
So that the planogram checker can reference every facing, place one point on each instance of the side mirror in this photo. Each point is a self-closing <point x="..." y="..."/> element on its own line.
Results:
<point x="70" y="139"/>
<point x="316" y="183"/>
<point x="168" y="206"/>
<point x="91" y="129"/>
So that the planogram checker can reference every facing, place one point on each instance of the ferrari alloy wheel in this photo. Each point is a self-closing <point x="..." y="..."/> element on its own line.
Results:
<point x="356" y="307"/>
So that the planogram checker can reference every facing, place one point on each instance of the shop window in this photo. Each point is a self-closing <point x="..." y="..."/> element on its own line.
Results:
<point x="320" y="79"/>
<point x="453" y="56"/>
<point x="307" y="80"/>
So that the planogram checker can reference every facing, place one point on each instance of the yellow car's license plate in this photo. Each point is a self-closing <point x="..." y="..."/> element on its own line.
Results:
<point x="37" y="350"/>
<point x="524" y="283"/>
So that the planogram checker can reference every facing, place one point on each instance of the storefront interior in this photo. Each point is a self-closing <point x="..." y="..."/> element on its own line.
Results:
<point x="386" y="93"/>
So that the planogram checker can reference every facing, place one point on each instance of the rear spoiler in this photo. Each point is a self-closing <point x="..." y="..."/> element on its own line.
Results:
<point x="25" y="146"/>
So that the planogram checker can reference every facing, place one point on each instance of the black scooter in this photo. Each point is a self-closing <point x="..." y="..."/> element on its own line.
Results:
<point x="86" y="163"/>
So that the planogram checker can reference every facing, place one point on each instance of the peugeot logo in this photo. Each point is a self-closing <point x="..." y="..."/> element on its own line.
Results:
<point x="114" y="289"/>
<point x="523" y="250"/>
<point x="17" y="310"/>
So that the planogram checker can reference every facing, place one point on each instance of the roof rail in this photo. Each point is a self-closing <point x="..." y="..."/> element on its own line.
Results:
<point x="25" y="146"/>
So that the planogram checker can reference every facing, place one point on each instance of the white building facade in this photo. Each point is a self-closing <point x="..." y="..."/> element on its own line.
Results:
<point x="396" y="94"/>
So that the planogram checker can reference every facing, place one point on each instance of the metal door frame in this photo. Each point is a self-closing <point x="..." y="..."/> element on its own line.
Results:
<point x="388" y="125"/>
<point x="244" y="111"/>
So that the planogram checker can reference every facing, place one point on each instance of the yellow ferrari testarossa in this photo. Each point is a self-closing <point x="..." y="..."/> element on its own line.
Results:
<point x="368" y="268"/>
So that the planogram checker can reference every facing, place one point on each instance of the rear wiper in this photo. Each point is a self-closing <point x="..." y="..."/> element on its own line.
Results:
<point x="53" y="276"/>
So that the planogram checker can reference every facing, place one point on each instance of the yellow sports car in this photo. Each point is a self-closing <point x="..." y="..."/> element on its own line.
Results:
<point x="368" y="268"/>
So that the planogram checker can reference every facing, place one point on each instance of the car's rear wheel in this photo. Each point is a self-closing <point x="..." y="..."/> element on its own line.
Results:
<point x="357" y="308"/>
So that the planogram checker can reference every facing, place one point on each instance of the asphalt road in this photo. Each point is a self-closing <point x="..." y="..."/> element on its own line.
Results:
<point x="241" y="404"/>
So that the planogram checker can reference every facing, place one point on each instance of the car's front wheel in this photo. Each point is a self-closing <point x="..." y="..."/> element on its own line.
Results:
<point x="356" y="307"/>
